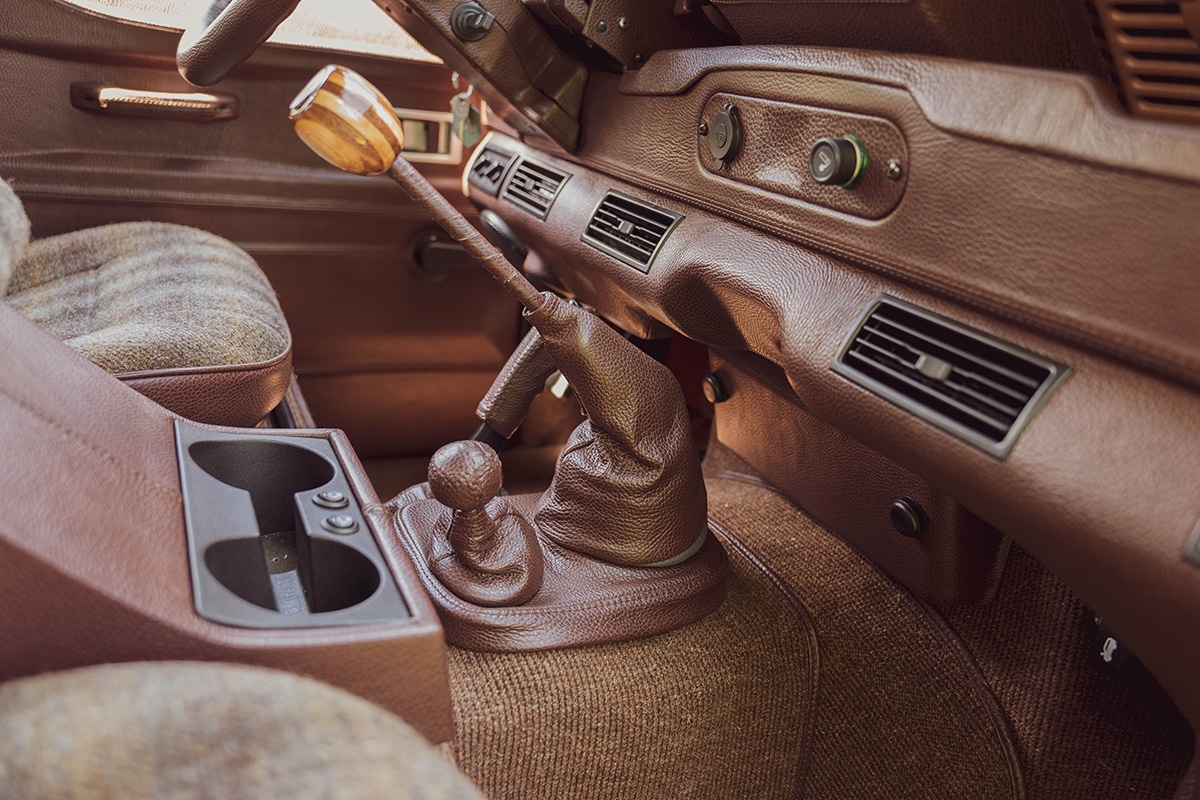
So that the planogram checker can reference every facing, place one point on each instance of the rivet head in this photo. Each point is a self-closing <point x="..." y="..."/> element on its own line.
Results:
<point x="639" y="57"/>
<point x="602" y="26"/>
<point x="703" y="129"/>
<point x="893" y="171"/>
<point x="623" y="22"/>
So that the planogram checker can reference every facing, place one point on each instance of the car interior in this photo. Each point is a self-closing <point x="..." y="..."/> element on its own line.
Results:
<point x="600" y="399"/>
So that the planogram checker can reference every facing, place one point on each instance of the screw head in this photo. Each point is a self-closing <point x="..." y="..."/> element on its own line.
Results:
<point x="602" y="26"/>
<point x="893" y="171"/>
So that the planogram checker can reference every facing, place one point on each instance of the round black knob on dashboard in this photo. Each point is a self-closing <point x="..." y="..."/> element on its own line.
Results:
<point x="837" y="162"/>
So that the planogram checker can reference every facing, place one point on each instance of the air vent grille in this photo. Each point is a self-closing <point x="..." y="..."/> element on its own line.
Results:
<point x="629" y="230"/>
<point x="976" y="387"/>
<point x="488" y="170"/>
<point x="534" y="187"/>
<point x="1155" y="56"/>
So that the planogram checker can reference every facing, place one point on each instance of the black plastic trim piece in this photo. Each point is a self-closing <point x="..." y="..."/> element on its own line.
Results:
<point x="260" y="555"/>
<point x="521" y="197"/>
<point x="488" y="169"/>
<point x="625" y="258"/>
<point x="1006" y="421"/>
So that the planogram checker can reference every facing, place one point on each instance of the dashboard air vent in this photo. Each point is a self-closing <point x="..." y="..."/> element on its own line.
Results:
<point x="629" y="230"/>
<point x="978" y="388"/>
<point x="1155" y="52"/>
<point x="534" y="187"/>
<point x="488" y="170"/>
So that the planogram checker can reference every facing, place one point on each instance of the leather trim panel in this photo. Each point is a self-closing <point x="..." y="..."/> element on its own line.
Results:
<point x="1100" y="486"/>
<point x="1029" y="187"/>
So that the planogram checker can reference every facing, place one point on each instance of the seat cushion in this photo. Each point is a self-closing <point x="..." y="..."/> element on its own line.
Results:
<point x="14" y="233"/>
<point x="186" y="730"/>
<point x="185" y="317"/>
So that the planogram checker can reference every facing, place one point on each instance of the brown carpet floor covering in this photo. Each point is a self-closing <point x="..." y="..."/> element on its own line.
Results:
<point x="824" y="680"/>
<point x="902" y="711"/>
<point x="713" y="710"/>
<point x="1081" y="732"/>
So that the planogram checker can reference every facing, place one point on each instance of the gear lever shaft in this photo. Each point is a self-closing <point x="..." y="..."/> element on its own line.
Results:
<point x="350" y="124"/>
<point x="617" y="547"/>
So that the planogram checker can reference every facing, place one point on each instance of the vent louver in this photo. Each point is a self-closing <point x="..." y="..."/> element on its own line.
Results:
<point x="1154" y="54"/>
<point x="980" y="389"/>
<point x="629" y="230"/>
<point x="488" y="170"/>
<point x="534" y="187"/>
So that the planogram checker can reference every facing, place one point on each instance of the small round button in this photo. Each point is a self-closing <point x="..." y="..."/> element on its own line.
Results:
<point x="331" y="499"/>
<point x="340" y="523"/>
<point x="908" y="517"/>
<point x="837" y="162"/>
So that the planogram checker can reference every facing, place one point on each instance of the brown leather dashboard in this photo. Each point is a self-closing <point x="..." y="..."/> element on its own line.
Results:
<point x="1032" y="212"/>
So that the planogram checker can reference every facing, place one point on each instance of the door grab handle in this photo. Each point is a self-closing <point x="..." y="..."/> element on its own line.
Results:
<point x="189" y="106"/>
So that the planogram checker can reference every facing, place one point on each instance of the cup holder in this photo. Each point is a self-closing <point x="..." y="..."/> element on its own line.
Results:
<point x="300" y="547"/>
<point x="272" y="472"/>
<point x="279" y="576"/>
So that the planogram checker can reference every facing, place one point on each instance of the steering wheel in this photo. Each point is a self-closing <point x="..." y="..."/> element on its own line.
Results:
<point x="226" y="34"/>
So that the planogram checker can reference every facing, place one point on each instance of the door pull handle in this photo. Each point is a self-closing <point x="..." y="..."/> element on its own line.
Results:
<point x="187" y="106"/>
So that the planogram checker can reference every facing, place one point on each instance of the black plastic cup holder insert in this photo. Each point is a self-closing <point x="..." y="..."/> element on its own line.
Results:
<point x="260" y="556"/>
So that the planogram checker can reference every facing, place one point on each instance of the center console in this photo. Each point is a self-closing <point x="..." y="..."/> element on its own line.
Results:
<point x="131" y="535"/>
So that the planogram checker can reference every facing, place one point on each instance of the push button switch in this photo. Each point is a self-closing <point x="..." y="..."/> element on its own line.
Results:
<point x="340" y="523"/>
<point x="331" y="499"/>
<point x="838" y="162"/>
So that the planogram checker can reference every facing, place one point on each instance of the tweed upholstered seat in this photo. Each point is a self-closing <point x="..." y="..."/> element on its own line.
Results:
<point x="183" y="730"/>
<point x="184" y="316"/>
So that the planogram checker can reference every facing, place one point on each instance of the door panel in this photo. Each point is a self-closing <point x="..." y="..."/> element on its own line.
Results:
<point x="394" y="356"/>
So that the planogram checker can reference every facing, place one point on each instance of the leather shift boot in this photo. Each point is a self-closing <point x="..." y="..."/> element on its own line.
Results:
<point x="627" y="487"/>
<point x="621" y="534"/>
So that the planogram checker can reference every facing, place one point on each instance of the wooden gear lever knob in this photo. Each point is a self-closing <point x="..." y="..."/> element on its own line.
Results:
<point x="347" y="122"/>
<point x="350" y="124"/>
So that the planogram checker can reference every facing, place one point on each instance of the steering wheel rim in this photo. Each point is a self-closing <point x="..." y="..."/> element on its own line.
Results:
<point x="225" y="34"/>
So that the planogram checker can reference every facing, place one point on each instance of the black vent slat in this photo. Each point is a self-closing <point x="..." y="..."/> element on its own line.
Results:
<point x="488" y="170"/>
<point x="952" y="384"/>
<point x="534" y="187"/>
<point x="994" y="385"/>
<point x="945" y="349"/>
<point x="978" y="388"/>
<point x="629" y="230"/>
<point x="651" y="231"/>
<point x="997" y="427"/>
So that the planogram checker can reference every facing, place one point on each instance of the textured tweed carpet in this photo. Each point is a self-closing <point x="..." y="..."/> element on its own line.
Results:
<point x="713" y="710"/>
<point x="1080" y="732"/>
<point x="838" y="684"/>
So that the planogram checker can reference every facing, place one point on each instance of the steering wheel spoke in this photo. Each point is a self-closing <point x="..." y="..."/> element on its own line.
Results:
<point x="226" y="34"/>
